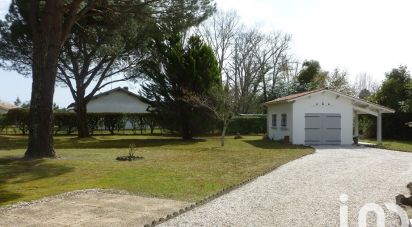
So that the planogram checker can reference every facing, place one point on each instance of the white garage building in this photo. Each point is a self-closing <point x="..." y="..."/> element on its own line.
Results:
<point x="320" y="117"/>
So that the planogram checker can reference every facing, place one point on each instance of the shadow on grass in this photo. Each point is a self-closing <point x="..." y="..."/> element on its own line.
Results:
<point x="13" y="142"/>
<point x="9" y="143"/>
<point x="17" y="171"/>
<point x="269" y="144"/>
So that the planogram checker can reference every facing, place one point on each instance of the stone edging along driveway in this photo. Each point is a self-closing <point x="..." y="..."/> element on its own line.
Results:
<point x="306" y="192"/>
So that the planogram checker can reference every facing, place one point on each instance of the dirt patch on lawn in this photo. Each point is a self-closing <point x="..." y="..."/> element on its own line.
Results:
<point x="89" y="208"/>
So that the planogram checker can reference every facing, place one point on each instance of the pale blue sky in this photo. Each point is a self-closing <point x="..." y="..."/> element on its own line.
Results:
<point x="361" y="36"/>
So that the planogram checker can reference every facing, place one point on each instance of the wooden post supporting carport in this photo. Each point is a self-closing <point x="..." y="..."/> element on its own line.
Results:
<point x="379" y="128"/>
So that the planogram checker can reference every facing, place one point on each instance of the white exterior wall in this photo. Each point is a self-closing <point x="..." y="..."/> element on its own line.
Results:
<point x="322" y="102"/>
<point x="117" y="102"/>
<point x="280" y="132"/>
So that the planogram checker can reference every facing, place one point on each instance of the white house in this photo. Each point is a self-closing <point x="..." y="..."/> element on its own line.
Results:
<point x="118" y="100"/>
<point x="5" y="107"/>
<point x="320" y="117"/>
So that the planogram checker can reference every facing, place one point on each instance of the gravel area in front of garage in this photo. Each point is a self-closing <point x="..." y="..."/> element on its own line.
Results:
<point x="306" y="192"/>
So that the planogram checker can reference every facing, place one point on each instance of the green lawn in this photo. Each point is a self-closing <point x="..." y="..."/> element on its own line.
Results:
<point x="393" y="145"/>
<point x="171" y="168"/>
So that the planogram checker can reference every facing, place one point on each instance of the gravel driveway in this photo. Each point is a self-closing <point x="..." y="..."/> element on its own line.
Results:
<point x="306" y="192"/>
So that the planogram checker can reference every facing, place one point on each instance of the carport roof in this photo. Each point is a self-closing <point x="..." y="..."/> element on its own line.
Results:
<point x="360" y="105"/>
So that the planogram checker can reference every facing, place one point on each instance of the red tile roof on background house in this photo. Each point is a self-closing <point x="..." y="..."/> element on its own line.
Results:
<point x="294" y="96"/>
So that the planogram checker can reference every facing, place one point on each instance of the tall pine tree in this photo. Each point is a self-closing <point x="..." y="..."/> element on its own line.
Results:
<point x="179" y="74"/>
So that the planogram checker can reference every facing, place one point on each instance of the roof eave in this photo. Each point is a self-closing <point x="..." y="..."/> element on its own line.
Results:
<point x="275" y="103"/>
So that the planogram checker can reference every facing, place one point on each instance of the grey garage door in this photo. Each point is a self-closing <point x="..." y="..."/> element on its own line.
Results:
<point x="322" y="128"/>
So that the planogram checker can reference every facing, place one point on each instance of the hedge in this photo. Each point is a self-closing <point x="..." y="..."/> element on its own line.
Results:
<point x="113" y="122"/>
<point x="67" y="122"/>
<point x="18" y="117"/>
<point x="247" y="125"/>
<point x="2" y="122"/>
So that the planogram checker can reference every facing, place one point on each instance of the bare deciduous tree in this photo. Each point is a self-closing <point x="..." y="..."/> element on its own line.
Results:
<point x="244" y="68"/>
<point x="278" y="46"/>
<point x="219" y="32"/>
<point x="258" y="61"/>
<point x="250" y="61"/>
<point x="365" y="81"/>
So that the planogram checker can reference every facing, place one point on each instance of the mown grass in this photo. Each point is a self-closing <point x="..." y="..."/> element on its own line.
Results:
<point x="171" y="168"/>
<point x="397" y="145"/>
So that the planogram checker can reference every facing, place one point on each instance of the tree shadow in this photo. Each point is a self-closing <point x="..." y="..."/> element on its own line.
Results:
<point x="93" y="143"/>
<point x="271" y="145"/>
<point x="11" y="142"/>
<point x="17" y="171"/>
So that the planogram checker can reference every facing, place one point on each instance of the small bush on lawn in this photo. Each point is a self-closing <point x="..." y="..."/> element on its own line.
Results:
<point x="131" y="156"/>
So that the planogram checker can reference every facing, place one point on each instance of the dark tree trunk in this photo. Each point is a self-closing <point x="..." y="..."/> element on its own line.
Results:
<point x="186" y="132"/>
<point x="151" y="129"/>
<point x="186" y="135"/>
<point x="47" y="42"/>
<point x="45" y="58"/>
<point x="185" y="125"/>
<point x="82" y="123"/>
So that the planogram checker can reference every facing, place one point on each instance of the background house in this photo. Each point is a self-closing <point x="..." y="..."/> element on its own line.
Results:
<point x="5" y="107"/>
<point x="118" y="100"/>
<point x="320" y="117"/>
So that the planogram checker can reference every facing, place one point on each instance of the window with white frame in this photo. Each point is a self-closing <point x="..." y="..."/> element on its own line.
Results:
<point x="274" y="120"/>
<point x="284" y="120"/>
